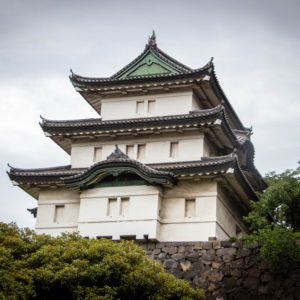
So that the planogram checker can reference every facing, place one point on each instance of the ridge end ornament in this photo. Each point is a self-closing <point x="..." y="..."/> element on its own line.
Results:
<point x="152" y="39"/>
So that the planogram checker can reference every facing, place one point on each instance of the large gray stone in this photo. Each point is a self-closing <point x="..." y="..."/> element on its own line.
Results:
<point x="215" y="276"/>
<point x="208" y="257"/>
<point x="151" y="246"/>
<point x="226" y="251"/>
<point x="254" y="272"/>
<point x="193" y="256"/>
<point x="170" y="264"/>
<point x="185" y="265"/>
<point x="228" y="258"/>
<point x="226" y="244"/>
<point x="181" y="249"/>
<point x="251" y="260"/>
<point x="237" y="244"/>
<point x="229" y="283"/>
<point x="172" y="250"/>
<point x="162" y="255"/>
<point x="266" y="277"/>
<point x="251" y="283"/>
<point x="238" y="264"/>
<point x="207" y="245"/>
<point x="216" y="265"/>
<point x="243" y="252"/>
<point x="156" y="251"/>
<point x="178" y="256"/>
<point x="236" y="273"/>
<point x="190" y="274"/>
<point x="198" y="245"/>
<point x="217" y="244"/>
<point x="160" y="245"/>
<point x="263" y="290"/>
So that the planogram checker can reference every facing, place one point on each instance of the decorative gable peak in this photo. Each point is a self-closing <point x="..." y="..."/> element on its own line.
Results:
<point x="117" y="154"/>
<point x="152" y="62"/>
<point x="152" y="40"/>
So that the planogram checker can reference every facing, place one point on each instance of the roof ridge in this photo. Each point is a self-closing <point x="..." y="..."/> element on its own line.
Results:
<point x="65" y="167"/>
<point x="215" y="159"/>
<point x="130" y="64"/>
<point x="44" y="120"/>
<point x="203" y="112"/>
<point x="172" y="60"/>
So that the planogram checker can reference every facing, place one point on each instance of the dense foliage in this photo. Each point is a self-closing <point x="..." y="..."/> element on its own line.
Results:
<point x="280" y="202"/>
<point x="71" y="267"/>
<point x="275" y="219"/>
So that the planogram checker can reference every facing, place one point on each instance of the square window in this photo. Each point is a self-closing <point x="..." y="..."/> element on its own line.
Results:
<point x="124" y="210"/>
<point x="190" y="208"/>
<point x="59" y="214"/>
<point x="112" y="209"/>
<point x="140" y="107"/>
<point x="141" y="151"/>
<point x="97" y="154"/>
<point x="151" y="106"/>
<point x="174" y="149"/>
<point x="130" y="150"/>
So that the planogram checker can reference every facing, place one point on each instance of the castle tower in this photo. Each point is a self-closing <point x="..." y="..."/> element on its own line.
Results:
<point x="168" y="159"/>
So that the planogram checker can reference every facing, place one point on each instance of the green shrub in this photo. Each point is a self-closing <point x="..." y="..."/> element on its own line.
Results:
<point x="71" y="267"/>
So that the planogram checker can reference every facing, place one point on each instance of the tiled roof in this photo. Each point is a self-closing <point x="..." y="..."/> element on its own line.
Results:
<point x="57" y="173"/>
<point x="41" y="175"/>
<point x="151" y="47"/>
<point x="72" y="126"/>
<point x="82" y="82"/>
<point x="208" y="165"/>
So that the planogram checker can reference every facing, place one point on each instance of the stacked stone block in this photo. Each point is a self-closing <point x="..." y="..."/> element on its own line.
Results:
<point x="226" y="270"/>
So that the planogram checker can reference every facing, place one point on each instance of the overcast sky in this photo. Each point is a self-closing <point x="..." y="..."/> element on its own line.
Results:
<point x="255" y="45"/>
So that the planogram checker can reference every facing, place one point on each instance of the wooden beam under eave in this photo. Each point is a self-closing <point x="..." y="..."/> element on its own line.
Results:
<point x="207" y="89"/>
<point x="226" y="142"/>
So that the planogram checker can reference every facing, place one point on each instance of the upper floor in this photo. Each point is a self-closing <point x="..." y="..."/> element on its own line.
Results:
<point x="159" y="149"/>
<point x="156" y="84"/>
<point x="163" y="104"/>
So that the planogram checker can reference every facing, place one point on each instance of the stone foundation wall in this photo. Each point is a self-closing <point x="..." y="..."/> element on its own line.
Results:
<point x="225" y="270"/>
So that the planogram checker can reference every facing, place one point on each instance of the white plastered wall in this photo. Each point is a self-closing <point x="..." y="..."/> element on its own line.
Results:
<point x="175" y="226"/>
<point x="142" y="218"/>
<point x="165" y="104"/>
<point x="190" y="147"/>
<point x="153" y="212"/>
<point x="48" y="200"/>
<point x="228" y="217"/>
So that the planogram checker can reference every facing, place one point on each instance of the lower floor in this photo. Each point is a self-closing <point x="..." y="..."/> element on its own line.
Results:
<point x="189" y="211"/>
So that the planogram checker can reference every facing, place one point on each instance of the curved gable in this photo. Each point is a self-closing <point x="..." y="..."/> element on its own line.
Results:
<point x="118" y="164"/>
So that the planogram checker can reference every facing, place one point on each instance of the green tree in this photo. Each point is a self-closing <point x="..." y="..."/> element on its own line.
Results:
<point x="275" y="219"/>
<point x="71" y="267"/>
<point x="279" y="203"/>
